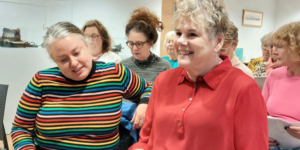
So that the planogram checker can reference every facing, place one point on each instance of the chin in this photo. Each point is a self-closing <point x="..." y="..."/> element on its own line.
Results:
<point x="79" y="77"/>
<point x="184" y="63"/>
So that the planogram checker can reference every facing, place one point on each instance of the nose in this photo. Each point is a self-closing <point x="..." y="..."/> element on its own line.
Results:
<point x="181" y="40"/>
<point x="134" y="48"/>
<point x="73" y="62"/>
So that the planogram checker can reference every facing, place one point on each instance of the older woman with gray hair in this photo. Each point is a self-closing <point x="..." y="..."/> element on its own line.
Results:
<point x="265" y="42"/>
<point x="169" y="48"/>
<point x="76" y="105"/>
<point x="206" y="103"/>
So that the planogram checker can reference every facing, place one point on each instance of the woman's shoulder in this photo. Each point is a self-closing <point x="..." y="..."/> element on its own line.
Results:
<point x="165" y="57"/>
<point x="174" y="73"/>
<point x="110" y="53"/>
<point x="126" y="61"/>
<point x="278" y="72"/>
<point x="53" y="73"/>
<point x="53" y="70"/>
<point x="110" y="57"/>
<point x="238" y="78"/>
<point x="163" y="61"/>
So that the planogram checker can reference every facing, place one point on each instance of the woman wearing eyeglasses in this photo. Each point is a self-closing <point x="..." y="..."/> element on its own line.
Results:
<point x="99" y="42"/>
<point x="141" y="31"/>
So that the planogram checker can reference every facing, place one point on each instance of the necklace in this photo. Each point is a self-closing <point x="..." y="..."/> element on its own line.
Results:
<point x="95" y="59"/>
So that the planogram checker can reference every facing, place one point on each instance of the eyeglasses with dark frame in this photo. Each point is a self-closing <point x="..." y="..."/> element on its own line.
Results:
<point x="137" y="44"/>
<point x="94" y="37"/>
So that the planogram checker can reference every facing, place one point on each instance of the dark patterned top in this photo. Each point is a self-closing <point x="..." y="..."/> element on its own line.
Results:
<point x="152" y="59"/>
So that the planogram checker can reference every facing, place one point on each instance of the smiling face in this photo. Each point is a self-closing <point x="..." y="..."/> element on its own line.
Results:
<point x="72" y="57"/>
<point x="195" y="49"/>
<point x="139" y="53"/>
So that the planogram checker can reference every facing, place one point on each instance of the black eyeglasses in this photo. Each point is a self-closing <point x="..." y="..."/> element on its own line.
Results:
<point x="93" y="37"/>
<point x="137" y="44"/>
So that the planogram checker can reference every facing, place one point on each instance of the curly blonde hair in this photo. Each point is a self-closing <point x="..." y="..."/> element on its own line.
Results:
<point x="144" y="21"/>
<point x="212" y="14"/>
<point x="289" y="35"/>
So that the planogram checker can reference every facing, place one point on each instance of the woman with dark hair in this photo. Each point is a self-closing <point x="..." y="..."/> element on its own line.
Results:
<point x="141" y="31"/>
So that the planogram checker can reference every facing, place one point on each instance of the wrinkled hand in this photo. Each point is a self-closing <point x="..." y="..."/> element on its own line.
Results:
<point x="294" y="131"/>
<point x="273" y="142"/>
<point x="139" y="116"/>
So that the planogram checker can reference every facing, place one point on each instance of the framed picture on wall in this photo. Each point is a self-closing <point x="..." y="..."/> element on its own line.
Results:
<point x="252" y="18"/>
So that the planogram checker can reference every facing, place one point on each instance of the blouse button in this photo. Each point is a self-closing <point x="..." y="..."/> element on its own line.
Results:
<point x="183" y="109"/>
<point x="190" y="99"/>
<point x="179" y="124"/>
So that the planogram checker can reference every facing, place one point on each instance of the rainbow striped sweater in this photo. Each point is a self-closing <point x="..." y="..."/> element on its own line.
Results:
<point x="57" y="113"/>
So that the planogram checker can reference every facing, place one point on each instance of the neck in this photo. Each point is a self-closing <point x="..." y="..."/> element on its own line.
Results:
<point x="98" y="54"/>
<point x="294" y="70"/>
<point x="231" y="55"/>
<point x="193" y="74"/>
<point x="172" y="57"/>
<point x="148" y="55"/>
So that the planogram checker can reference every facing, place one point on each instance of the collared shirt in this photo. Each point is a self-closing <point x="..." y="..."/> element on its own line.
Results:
<point x="223" y="110"/>
<point x="238" y="64"/>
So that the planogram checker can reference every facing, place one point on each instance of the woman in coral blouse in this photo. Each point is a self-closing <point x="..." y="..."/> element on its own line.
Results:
<point x="205" y="103"/>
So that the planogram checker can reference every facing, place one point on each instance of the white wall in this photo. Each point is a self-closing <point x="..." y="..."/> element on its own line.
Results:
<point x="18" y="66"/>
<point x="30" y="16"/>
<point x="286" y="11"/>
<point x="249" y="37"/>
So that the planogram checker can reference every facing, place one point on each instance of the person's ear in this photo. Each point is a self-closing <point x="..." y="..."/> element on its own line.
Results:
<point x="151" y="43"/>
<point x="236" y="44"/>
<point x="220" y="42"/>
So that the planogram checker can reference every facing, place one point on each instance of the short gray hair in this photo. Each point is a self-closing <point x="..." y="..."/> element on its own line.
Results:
<point x="168" y="36"/>
<point x="213" y="13"/>
<point x="267" y="38"/>
<point x="61" y="30"/>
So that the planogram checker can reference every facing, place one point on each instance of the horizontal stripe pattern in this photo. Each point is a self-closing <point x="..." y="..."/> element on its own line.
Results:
<point x="56" y="113"/>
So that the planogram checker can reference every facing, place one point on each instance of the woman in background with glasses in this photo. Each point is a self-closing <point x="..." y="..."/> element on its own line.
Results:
<point x="99" y="42"/>
<point x="141" y="31"/>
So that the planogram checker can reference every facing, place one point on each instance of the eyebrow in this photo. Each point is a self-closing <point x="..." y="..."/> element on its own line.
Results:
<point x="193" y="30"/>
<point x="71" y="51"/>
